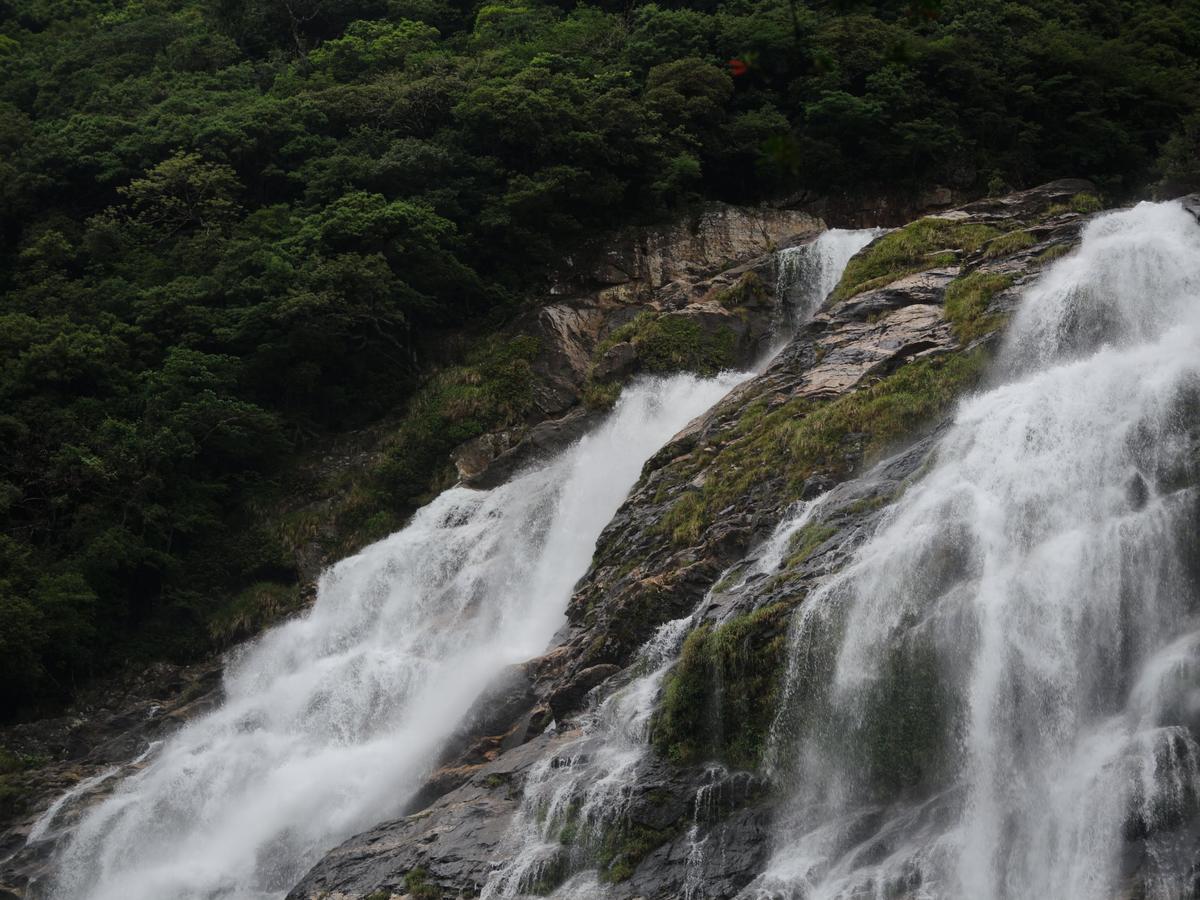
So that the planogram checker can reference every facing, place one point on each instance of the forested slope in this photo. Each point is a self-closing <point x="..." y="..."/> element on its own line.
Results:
<point x="232" y="230"/>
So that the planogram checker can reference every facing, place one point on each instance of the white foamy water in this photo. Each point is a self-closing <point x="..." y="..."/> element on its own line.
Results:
<point x="998" y="698"/>
<point x="331" y="720"/>
<point x="807" y="274"/>
<point x="574" y="799"/>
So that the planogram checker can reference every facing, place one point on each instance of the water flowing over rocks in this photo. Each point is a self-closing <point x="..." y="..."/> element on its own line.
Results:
<point x="687" y="273"/>
<point x="645" y="574"/>
<point x="673" y="740"/>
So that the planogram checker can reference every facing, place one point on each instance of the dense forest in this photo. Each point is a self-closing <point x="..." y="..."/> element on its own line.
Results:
<point x="230" y="227"/>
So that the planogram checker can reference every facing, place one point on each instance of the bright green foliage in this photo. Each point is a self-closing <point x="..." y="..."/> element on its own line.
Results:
<point x="967" y="300"/>
<point x="914" y="247"/>
<point x="717" y="702"/>
<point x="232" y="233"/>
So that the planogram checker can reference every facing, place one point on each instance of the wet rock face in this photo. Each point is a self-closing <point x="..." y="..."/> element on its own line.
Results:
<point x="691" y="277"/>
<point x="648" y="570"/>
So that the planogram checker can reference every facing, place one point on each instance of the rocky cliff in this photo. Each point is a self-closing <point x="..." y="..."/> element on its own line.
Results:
<point x="847" y="410"/>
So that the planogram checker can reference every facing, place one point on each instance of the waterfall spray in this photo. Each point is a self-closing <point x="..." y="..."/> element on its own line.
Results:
<point x="997" y="698"/>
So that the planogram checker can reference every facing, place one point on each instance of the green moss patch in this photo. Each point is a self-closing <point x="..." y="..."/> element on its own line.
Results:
<point x="749" y="290"/>
<point x="925" y="243"/>
<point x="806" y="540"/>
<point x="1012" y="242"/>
<point x="804" y="437"/>
<point x="666" y="344"/>
<point x="718" y="701"/>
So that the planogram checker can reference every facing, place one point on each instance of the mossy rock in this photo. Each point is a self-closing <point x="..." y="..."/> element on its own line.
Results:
<point x="923" y="244"/>
<point x="804" y="438"/>
<point x="719" y="699"/>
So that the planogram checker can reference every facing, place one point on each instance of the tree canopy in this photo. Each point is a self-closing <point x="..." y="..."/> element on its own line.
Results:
<point x="230" y="227"/>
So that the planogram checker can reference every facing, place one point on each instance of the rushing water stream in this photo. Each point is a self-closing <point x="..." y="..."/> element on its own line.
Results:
<point x="330" y="721"/>
<point x="999" y="697"/>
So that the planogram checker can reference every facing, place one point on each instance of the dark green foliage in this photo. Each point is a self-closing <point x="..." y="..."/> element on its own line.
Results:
<point x="417" y="886"/>
<point x="718" y="701"/>
<point x="230" y="232"/>
<point x="14" y="784"/>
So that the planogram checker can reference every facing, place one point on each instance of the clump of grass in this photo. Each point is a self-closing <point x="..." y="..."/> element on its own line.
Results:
<point x="1052" y="253"/>
<point x="417" y="886"/>
<point x="967" y="300"/>
<point x="922" y="244"/>
<point x="1083" y="203"/>
<point x="664" y="344"/>
<point x="806" y="540"/>
<point x="601" y="395"/>
<point x="1009" y="243"/>
<point x="252" y="609"/>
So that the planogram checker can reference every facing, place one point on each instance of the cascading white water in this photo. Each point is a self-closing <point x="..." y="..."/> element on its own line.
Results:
<point x="570" y="799"/>
<point x="584" y="790"/>
<point x="998" y="698"/>
<point x="331" y="720"/>
<point x="805" y="275"/>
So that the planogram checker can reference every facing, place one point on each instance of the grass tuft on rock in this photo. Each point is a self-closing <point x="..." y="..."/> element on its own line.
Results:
<point x="718" y="701"/>
<point x="967" y="301"/>
<point x="929" y="241"/>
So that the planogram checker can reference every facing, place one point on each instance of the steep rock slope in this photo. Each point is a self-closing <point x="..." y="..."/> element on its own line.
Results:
<point x="904" y="334"/>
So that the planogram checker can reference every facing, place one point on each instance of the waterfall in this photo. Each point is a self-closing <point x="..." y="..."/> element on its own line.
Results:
<point x="999" y="696"/>
<point x="330" y="721"/>
<point x="805" y="275"/>
<point x="573" y="800"/>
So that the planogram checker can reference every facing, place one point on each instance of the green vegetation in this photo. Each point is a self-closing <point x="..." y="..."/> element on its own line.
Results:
<point x="1009" y="243"/>
<point x="718" y="699"/>
<point x="14" y="789"/>
<point x="806" y="540"/>
<point x="626" y="845"/>
<point x="917" y="246"/>
<point x="664" y="343"/>
<point x="417" y="886"/>
<point x="232" y="233"/>
<point x="806" y="437"/>
<point x="749" y="290"/>
<point x="966" y="304"/>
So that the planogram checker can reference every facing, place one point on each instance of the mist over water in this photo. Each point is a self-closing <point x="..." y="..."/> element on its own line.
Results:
<point x="331" y="720"/>
<point x="998" y="698"/>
